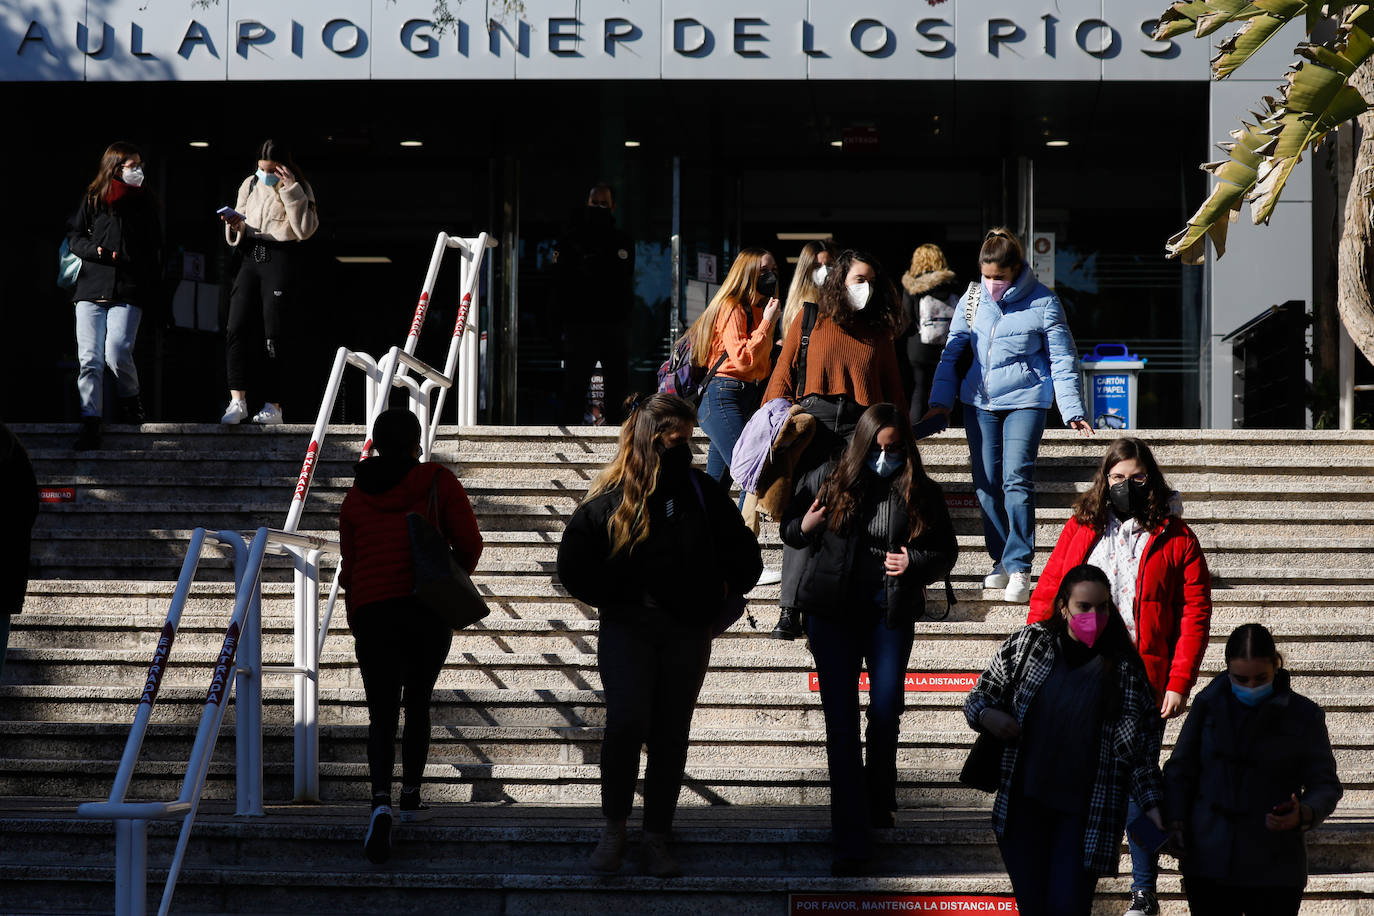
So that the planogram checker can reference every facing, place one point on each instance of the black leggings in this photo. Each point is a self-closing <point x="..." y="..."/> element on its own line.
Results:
<point x="651" y="674"/>
<point x="401" y="648"/>
<point x="259" y="330"/>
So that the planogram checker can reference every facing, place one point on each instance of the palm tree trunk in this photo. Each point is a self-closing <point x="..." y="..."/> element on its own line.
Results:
<point x="1356" y="264"/>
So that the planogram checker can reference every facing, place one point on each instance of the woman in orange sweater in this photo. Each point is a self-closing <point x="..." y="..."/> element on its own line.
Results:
<point x="738" y="324"/>
<point x="850" y="364"/>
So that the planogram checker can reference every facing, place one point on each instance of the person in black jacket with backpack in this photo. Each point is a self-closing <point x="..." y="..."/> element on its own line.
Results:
<point x="656" y="547"/>
<point x="118" y="237"/>
<point x="875" y="532"/>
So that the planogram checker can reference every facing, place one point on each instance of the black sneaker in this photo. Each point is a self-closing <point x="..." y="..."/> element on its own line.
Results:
<point x="377" y="843"/>
<point x="412" y="809"/>
<point x="130" y="410"/>
<point x="90" y="435"/>
<point x="1143" y="903"/>
<point x="789" y="624"/>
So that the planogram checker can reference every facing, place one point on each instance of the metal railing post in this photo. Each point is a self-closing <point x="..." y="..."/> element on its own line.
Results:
<point x="307" y="661"/>
<point x="248" y="702"/>
<point x="131" y="867"/>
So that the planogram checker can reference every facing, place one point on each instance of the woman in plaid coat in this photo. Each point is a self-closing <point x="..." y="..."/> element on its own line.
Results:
<point x="1070" y="698"/>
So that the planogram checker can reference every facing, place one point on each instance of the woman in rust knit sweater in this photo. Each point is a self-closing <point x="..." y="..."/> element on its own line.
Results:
<point x="851" y="364"/>
<point x="739" y="326"/>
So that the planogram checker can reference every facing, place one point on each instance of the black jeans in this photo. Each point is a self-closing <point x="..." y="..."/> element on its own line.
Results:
<point x="583" y="346"/>
<point x="651" y="673"/>
<point x="401" y="648"/>
<point x="259" y="332"/>
<point x="1043" y="851"/>
<point x="1213" y="898"/>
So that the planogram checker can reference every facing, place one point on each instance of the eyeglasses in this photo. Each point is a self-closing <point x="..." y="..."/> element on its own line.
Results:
<point x="1140" y="478"/>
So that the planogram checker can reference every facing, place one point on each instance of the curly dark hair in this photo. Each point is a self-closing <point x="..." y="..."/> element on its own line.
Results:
<point x="843" y="487"/>
<point x="884" y="310"/>
<point x="1092" y="507"/>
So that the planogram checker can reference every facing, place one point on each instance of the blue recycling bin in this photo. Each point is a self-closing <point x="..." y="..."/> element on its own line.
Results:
<point x="1111" y="381"/>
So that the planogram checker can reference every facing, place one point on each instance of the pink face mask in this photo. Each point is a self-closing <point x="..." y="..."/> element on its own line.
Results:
<point x="996" y="288"/>
<point x="1087" y="627"/>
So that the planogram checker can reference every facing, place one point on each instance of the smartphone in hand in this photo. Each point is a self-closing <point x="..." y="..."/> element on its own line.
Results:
<point x="1146" y="834"/>
<point x="229" y="213"/>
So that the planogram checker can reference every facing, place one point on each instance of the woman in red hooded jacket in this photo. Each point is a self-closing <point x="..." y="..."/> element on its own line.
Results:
<point x="400" y="645"/>
<point x="1127" y="524"/>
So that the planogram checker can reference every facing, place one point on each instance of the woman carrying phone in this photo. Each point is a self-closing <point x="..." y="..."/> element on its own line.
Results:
<point x="875" y="532"/>
<point x="1070" y="698"/>
<point x="1251" y="773"/>
<point x="275" y="212"/>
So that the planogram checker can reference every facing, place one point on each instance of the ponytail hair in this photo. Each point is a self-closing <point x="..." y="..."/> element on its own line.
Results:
<point x="1002" y="249"/>
<point x="1252" y="640"/>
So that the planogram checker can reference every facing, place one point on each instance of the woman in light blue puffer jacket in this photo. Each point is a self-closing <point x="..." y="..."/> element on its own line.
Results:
<point x="1024" y="360"/>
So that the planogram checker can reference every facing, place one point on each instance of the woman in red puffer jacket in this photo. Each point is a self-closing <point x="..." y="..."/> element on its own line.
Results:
<point x="1127" y="524"/>
<point x="401" y="646"/>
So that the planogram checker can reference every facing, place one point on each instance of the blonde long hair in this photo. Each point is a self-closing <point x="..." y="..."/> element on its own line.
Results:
<point x="740" y="289"/>
<point x="635" y="466"/>
<point x="803" y="290"/>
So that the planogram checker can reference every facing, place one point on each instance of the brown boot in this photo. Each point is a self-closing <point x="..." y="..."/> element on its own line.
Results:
<point x="610" y="849"/>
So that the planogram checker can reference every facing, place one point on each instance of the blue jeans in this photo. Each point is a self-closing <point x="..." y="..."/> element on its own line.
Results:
<point x="1144" y="862"/>
<point x="841" y="645"/>
<point x="1002" y="447"/>
<point x="1043" y="852"/>
<point x="725" y="407"/>
<point x="105" y="335"/>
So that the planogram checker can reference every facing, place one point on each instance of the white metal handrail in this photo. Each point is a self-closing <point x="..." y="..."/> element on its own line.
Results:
<point x="241" y="652"/>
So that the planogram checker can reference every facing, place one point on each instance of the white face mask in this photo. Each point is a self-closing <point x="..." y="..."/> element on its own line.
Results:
<point x="133" y="177"/>
<point x="859" y="294"/>
<point x="818" y="275"/>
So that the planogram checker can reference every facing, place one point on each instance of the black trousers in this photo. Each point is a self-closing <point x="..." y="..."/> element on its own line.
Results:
<point x="260" y="330"/>
<point x="401" y="648"/>
<point x="1043" y="851"/>
<point x="651" y="673"/>
<point x="1211" y="898"/>
<point x="584" y="345"/>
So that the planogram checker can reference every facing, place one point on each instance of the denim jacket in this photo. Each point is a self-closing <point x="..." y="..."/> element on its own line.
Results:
<point x="1023" y="353"/>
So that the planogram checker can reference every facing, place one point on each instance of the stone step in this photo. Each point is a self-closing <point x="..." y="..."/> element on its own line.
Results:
<point x="522" y="860"/>
<point x="1317" y="667"/>
<point x="450" y="782"/>
<point x="560" y="707"/>
<point x="759" y="748"/>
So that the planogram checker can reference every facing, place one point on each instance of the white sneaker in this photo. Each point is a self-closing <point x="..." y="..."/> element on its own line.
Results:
<point x="268" y="416"/>
<point x="1018" y="588"/>
<point x="996" y="579"/>
<point x="236" y="413"/>
<point x="770" y="576"/>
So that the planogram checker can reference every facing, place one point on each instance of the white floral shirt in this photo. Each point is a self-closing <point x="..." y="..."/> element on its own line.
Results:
<point x="1118" y="553"/>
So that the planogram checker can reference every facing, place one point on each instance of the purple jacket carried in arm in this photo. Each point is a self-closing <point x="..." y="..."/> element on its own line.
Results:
<point x="755" y="442"/>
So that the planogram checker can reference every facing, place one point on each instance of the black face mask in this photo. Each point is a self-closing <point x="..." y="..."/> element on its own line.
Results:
<point x="1129" y="499"/>
<point x="675" y="460"/>
<point x="767" y="283"/>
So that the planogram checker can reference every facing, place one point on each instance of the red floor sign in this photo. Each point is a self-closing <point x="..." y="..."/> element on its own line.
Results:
<point x="919" y="681"/>
<point x="806" y="904"/>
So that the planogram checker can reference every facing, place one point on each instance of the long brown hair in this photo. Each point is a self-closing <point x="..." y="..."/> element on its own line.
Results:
<point x="802" y="289"/>
<point x="635" y="466"/>
<point x="98" y="191"/>
<point x="740" y="290"/>
<point x="883" y="311"/>
<point x="1092" y="507"/>
<point x="844" y="485"/>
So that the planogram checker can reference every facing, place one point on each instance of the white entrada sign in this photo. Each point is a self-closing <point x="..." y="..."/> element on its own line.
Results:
<point x="56" y="40"/>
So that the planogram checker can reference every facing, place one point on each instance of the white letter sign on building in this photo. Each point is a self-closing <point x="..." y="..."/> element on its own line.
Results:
<point x="172" y="40"/>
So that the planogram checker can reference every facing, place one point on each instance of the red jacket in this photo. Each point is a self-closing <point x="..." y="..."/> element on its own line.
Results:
<point x="373" y="536"/>
<point x="1173" y="599"/>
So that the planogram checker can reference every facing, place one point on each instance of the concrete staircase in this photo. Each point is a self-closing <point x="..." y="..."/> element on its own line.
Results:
<point x="1287" y="520"/>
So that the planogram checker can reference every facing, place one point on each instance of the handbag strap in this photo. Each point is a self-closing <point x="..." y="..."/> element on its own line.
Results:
<point x="971" y="300"/>
<point x="810" y="311"/>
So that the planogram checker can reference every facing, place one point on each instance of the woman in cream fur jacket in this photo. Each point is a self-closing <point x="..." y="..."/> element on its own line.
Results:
<point x="275" y="211"/>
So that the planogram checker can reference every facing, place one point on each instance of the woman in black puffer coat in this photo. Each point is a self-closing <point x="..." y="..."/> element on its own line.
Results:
<point x="118" y="237"/>
<point x="876" y="532"/>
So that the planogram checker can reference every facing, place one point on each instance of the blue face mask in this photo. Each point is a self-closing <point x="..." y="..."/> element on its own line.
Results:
<point x="1252" y="696"/>
<point x="885" y="463"/>
<point x="266" y="178"/>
